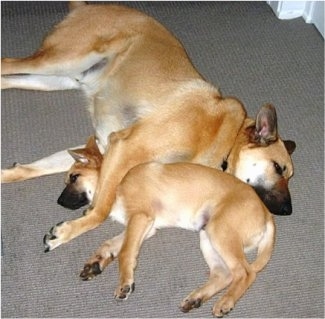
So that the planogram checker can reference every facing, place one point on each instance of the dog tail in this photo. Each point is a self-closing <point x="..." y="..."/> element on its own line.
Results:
<point x="265" y="247"/>
<point x="76" y="4"/>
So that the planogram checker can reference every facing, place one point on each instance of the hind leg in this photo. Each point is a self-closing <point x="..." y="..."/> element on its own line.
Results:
<point x="58" y="64"/>
<point x="46" y="72"/>
<point x="55" y="163"/>
<point x="229" y="247"/>
<point x="220" y="276"/>
<point x="243" y="278"/>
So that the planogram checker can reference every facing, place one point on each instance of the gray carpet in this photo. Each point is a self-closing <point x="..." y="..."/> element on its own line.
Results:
<point x="246" y="51"/>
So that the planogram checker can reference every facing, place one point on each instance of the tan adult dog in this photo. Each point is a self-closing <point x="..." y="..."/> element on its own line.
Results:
<point x="146" y="95"/>
<point x="227" y="212"/>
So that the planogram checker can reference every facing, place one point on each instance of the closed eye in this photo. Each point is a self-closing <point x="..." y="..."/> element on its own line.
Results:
<point x="279" y="170"/>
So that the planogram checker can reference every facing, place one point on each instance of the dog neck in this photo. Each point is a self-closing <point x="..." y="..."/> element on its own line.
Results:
<point x="242" y="139"/>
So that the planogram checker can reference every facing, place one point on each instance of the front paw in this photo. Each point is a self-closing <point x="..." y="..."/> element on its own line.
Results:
<point x="123" y="291"/>
<point x="57" y="236"/>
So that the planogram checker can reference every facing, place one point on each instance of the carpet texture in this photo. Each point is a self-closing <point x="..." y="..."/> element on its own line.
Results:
<point x="245" y="50"/>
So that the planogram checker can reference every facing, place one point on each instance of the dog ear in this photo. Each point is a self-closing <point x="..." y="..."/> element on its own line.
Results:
<point x="79" y="156"/>
<point x="92" y="152"/>
<point x="266" y="130"/>
<point x="88" y="155"/>
<point x="290" y="146"/>
<point x="92" y="145"/>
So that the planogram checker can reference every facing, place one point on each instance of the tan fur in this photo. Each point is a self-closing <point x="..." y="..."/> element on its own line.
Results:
<point x="228" y="214"/>
<point x="146" y="95"/>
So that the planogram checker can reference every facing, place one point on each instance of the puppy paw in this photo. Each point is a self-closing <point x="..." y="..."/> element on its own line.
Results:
<point x="122" y="292"/>
<point x="90" y="271"/>
<point x="57" y="236"/>
<point x="223" y="307"/>
<point x="190" y="303"/>
<point x="95" y="265"/>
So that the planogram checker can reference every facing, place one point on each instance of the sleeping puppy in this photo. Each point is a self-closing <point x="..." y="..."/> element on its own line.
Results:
<point x="228" y="214"/>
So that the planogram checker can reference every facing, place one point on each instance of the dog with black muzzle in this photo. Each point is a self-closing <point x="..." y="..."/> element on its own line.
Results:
<point x="147" y="103"/>
<point x="260" y="164"/>
<point x="81" y="179"/>
<point x="228" y="214"/>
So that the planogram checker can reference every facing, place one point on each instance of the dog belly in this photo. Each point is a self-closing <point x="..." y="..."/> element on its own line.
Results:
<point x="169" y="194"/>
<point x="175" y="214"/>
<point x="164" y="216"/>
<point x="182" y="215"/>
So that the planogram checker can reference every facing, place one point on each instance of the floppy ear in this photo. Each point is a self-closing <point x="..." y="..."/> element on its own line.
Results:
<point x="290" y="146"/>
<point x="266" y="130"/>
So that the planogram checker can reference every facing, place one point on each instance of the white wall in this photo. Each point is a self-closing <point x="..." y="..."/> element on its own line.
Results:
<point x="311" y="11"/>
<point x="314" y="13"/>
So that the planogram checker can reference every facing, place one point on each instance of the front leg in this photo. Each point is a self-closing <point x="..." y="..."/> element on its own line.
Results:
<point x="117" y="161"/>
<point x="128" y="148"/>
<point x="56" y="163"/>
<point x="65" y="231"/>
<point x="104" y="255"/>
<point x="139" y="225"/>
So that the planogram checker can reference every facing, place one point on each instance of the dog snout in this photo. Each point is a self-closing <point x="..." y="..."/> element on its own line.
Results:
<point x="277" y="199"/>
<point x="72" y="199"/>
<point x="286" y="208"/>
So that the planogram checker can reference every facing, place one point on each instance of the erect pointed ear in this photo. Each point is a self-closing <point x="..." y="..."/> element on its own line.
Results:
<point x="266" y="130"/>
<point x="88" y="155"/>
<point x="290" y="146"/>
<point x="79" y="155"/>
<point x="92" y="146"/>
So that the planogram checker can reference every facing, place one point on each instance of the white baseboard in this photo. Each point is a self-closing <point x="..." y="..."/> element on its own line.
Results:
<point x="314" y="13"/>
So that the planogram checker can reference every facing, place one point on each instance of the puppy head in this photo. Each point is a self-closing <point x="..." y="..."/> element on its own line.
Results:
<point x="265" y="162"/>
<point x="81" y="179"/>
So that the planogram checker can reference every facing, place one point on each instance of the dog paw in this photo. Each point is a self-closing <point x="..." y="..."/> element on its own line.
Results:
<point x="123" y="291"/>
<point x="95" y="265"/>
<point x="57" y="236"/>
<point x="9" y="174"/>
<point x="191" y="303"/>
<point x="17" y="172"/>
<point x="90" y="271"/>
<point x="223" y="307"/>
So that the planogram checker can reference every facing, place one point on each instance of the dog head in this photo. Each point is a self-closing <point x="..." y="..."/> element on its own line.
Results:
<point x="265" y="162"/>
<point x="81" y="179"/>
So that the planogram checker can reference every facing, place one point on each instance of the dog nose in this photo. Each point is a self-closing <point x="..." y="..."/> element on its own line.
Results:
<point x="277" y="201"/>
<point x="71" y="199"/>
<point x="286" y="209"/>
